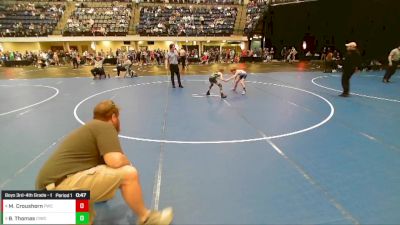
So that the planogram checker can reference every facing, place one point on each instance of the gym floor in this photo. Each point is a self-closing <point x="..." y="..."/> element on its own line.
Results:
<point x="290" y="151"/>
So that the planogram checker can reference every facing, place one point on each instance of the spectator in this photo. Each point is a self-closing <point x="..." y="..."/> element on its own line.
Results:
<point x="292" y="55"/>
<point x="74" y="57"/>
<point x="283" y="54"/>
<point x="91" y="158"/>
<point x="328" y="61"/>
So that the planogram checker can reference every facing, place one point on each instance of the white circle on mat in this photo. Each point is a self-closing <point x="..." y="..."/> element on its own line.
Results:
<point x="352" y="93"/>
<point x="332" y="111"/>
<point x="35" y="104"/>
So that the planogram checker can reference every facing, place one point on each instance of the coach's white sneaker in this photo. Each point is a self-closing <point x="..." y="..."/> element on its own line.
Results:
<point x="163" y="217"/>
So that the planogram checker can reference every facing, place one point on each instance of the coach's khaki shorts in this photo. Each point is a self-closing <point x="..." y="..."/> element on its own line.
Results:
<point x="102" y="182"/>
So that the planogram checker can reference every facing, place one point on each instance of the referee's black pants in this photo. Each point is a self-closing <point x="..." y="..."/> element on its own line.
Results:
<point x="346" y="80"/>
<point x="391" y="70"/>
<point x="174" y="69"/>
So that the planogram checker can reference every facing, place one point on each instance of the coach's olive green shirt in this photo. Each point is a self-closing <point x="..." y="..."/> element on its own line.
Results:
<point x="84" y="148"/>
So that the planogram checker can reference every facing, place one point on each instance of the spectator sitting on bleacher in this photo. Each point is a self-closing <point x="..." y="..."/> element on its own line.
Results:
<point x="110" y="20"/>
<point x="186" y="21"/>
<point x="254" y="11"/>
<point x="374" y="65"/>
<point x="30" y="25"/>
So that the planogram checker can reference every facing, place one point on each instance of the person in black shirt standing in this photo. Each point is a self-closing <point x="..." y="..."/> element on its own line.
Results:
<point x="172" y="57"/>
<point x="350" y="65"/>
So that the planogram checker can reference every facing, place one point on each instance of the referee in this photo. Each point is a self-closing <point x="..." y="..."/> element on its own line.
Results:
<point x="172" y="57"/>
<point x="351" y="64"/>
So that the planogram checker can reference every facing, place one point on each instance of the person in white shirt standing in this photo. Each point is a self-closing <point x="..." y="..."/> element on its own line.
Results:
<point x="394" y="60"/>
<point x="172" y="58"/>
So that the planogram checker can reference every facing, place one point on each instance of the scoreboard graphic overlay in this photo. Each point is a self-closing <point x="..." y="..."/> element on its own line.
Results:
<point x="45" y="207"/>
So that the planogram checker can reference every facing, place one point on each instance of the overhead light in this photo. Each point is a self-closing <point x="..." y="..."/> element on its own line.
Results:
<point x="208" y="41"/>
<point x="223" y="41"/>
<point x="106" y="43"/>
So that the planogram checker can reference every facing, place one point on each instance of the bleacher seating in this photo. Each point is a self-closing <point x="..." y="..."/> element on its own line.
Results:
<point x="107" y="19"/>
<point x="74" y="0"/>
<point x="208" y="2"/>
<point x="285" y="1"/>
<point x="104" y="1"/>
<point x="186" y="21"/>
<point x="255" y="10"/>
<point x="112" y="18"/>
<point x="29" y="19"/>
